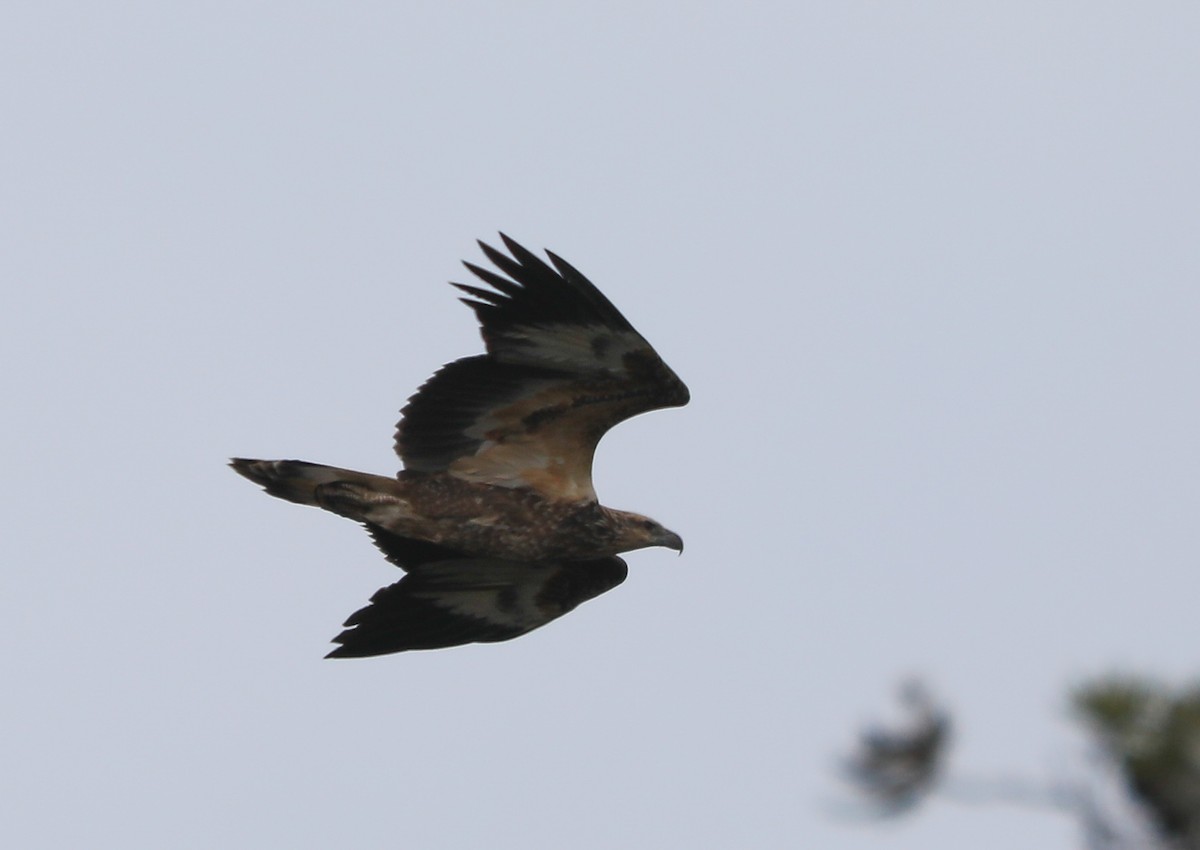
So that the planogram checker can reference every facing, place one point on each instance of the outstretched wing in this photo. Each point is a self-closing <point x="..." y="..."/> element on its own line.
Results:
<point x="563" y="366"/>
<point x="447" y="599"/>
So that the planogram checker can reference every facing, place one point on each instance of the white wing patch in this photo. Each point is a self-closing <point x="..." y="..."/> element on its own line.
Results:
<point x="509" y="598"/>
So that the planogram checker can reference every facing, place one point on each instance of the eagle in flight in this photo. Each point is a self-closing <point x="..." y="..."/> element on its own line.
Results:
<point x="494" y="518"/>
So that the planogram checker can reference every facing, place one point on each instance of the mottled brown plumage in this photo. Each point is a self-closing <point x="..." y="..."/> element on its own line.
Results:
<point x="494" y="517"/>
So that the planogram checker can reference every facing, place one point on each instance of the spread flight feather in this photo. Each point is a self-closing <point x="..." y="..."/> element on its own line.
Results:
<point x="494" y="516"/>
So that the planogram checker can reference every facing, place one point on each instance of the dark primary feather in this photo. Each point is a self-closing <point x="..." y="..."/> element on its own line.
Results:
<point x="536" y="294"/>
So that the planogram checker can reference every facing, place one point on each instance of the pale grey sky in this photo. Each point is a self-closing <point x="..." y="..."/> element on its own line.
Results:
<point x="931" y="270"/>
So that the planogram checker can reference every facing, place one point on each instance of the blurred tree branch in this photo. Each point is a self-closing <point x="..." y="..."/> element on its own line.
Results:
<point x="1149" y="734"/>
<point x="896" y="768"/>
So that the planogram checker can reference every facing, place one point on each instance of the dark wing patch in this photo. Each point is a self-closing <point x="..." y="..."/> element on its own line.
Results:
<point x="471" y="600"/>
<point x="563" y="366"/>
<point x="443" y="420"/>
<point x="406" y="552"/>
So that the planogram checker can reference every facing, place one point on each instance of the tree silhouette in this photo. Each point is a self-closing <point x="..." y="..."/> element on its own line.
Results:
<point x="1145" y="731"/>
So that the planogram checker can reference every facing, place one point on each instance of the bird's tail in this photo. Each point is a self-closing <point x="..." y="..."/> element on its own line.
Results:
<point x="294" y="480"/>
<point x="299" y="481"/>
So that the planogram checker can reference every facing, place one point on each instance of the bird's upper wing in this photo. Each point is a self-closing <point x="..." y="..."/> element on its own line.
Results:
<point x="563" y="366"/>
<point x="448" y="599"/>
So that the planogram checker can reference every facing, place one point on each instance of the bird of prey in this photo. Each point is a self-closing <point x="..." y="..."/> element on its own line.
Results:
<point x="494" y="518"/>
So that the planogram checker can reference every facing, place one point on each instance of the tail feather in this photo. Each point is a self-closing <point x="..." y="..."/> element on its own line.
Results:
<point x="294" y="480"/>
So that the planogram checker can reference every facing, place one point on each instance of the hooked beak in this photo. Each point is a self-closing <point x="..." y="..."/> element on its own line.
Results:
<point x="672" y="541"/>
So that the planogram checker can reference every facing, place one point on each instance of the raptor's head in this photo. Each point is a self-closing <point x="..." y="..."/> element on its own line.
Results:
<point x="634" y="531"/>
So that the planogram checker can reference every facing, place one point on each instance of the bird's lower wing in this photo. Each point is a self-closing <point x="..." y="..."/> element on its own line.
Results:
<point x="445" y="603"/>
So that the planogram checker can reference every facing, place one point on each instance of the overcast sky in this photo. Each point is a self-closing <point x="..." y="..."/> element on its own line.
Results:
<point x="932" y="273"/>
